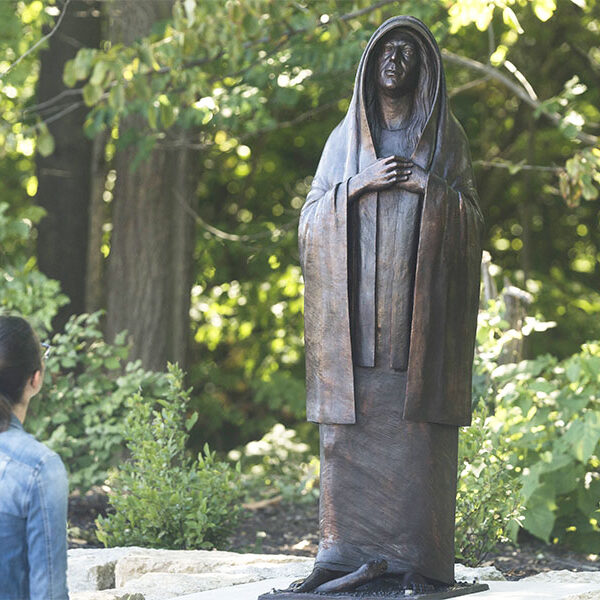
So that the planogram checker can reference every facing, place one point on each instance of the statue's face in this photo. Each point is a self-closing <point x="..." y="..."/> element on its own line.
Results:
<point x="397" y="63"/>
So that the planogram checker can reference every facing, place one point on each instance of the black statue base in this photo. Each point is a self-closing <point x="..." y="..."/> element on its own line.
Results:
<point x="451" y="591"/>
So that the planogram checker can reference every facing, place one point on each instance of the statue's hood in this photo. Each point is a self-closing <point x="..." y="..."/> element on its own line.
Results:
<point x="357" y="110"/>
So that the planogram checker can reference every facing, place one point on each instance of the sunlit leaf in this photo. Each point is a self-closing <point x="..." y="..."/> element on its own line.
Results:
<point x="45" y="142"/>
<point x="544" y="9"/>
<point x="510" y="18"/>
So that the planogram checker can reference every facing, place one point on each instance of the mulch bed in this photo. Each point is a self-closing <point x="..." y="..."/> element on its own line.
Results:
<point x="279" y="528"/>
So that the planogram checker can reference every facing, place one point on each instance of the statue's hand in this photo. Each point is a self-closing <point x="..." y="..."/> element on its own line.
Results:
<point x="381" y="175"/>
<point x="416" y="182"/>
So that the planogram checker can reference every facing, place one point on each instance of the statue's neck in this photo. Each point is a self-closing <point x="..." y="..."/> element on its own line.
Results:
<point x="395" y="111"/>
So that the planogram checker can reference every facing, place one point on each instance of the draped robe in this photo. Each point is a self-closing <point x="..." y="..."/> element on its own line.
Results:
<point x="391" y="295"/>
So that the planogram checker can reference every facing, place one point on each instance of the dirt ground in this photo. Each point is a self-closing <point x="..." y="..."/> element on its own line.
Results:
<point x="293" y="529"/>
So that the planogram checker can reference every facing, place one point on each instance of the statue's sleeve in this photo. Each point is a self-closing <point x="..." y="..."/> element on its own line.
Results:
<point x="323" y="244"/>
<point x="446" y="295"/>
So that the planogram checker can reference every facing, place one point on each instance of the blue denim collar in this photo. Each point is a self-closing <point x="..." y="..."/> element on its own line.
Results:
<point x="15" y="423"/>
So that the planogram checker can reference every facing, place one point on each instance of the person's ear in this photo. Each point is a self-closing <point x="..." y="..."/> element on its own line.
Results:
<point x="36" y="381"/>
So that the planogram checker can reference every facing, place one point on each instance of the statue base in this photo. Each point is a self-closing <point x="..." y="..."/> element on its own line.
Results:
<point x="451" y="591"/>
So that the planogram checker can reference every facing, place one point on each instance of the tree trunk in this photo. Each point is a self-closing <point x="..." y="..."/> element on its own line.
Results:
<point x="149" y="270"/>
<point x="64" y="176"/>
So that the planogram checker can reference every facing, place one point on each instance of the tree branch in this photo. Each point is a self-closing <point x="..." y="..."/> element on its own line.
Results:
<point x="280" y="125"/>
<point x="498" y="164"/>
<point x="519" y="91"/>
<point x="48" y="103"/>
<point x="231" y="237"/>
<point x="40" y="41"/>
<point x="467" y="86"/>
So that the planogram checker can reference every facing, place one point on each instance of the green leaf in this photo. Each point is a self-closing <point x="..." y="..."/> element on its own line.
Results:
<point x="112" y="363"/>
<point x="146" y="55"/>
<point x="116" y="98"/>
<point x="508" y="14"/>
<point x="191" y="421"/>
<point x="583" y="436"/>
<point x="45" y="142"/>
<point x="167" y="114"/>
<point x="100" y="69"/>
<point x="83" y="62"/>
<point x="69" y="74"/>
<point x="91" y="94"/>
<point x="539" y="515"/>
<point x="587" y="496"/>
<point x="590" y="192"/>
<point x="544" y="9"/>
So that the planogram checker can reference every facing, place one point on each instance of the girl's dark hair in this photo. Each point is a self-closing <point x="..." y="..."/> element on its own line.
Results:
<point x="20" y="358"/>
<point x="424" y="95"/>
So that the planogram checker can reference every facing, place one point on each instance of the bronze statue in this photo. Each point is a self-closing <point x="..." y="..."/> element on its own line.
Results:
<point x="390" y="250"/>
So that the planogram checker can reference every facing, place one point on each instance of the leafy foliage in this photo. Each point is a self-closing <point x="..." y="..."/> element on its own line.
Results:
<point x="82" y="407"/>
<point x="23" y="288"/>
<point x="278" y="465"/>
<point x="489" y="505"/>
<point x="543" y="413"/>
<point x="257" y="331"/>
<point x="162" y="498"/>
<point x="548" y="409"/>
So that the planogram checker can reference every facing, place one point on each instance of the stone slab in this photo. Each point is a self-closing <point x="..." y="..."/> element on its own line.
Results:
<point x="92" y="569"/>
<point x="134" y="565"/>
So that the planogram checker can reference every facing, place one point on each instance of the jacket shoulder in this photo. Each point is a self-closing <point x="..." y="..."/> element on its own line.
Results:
<point x="23" y="448"/>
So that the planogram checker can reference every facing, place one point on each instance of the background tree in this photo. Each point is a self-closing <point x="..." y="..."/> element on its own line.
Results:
<point x="65" y="176"/>
<point x="149" y="267"/>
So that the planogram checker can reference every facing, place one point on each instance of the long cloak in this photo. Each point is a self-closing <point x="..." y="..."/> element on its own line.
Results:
<point x="446" y="281"/>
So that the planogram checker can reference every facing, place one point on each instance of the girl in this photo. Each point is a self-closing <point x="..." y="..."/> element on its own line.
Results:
<point x="33" y="480"/>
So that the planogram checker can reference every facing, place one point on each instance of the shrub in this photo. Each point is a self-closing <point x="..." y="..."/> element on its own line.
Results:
<point x="82" y="407"/>
<point x="278" y="465"/>
<point x="161" y="497"/>
<point x="489" y="505"/>
<point x="549" y="411"/>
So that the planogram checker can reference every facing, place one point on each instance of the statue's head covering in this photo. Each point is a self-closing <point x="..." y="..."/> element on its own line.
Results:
<point x="430" y="101"/>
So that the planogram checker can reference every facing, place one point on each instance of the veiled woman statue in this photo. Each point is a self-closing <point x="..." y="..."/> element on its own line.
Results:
<point x="390" y="251"/>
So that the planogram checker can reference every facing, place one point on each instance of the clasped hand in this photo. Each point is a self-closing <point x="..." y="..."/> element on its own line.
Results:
<point x="386" y="172"/>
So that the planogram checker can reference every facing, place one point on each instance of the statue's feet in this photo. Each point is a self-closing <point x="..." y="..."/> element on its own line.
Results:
<point x="362" y="575"/>
<point x="318" y="577"/>
<point x="417" y="583"/>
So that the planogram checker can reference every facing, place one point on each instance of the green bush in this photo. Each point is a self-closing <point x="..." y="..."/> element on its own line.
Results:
<point x="489" y="505"/>
<point x="81" y="410"/>
<point x="161" y="497"/>
<point x="550" y="412"/>
<point x="547" y="412"/>
<point x="278" y="465"/>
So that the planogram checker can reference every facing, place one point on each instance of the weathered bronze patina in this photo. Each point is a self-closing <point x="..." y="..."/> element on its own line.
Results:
<point x="390" y="250"/>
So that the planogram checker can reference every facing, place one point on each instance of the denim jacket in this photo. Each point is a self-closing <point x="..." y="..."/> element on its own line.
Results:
<point x="33" y="519"/>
